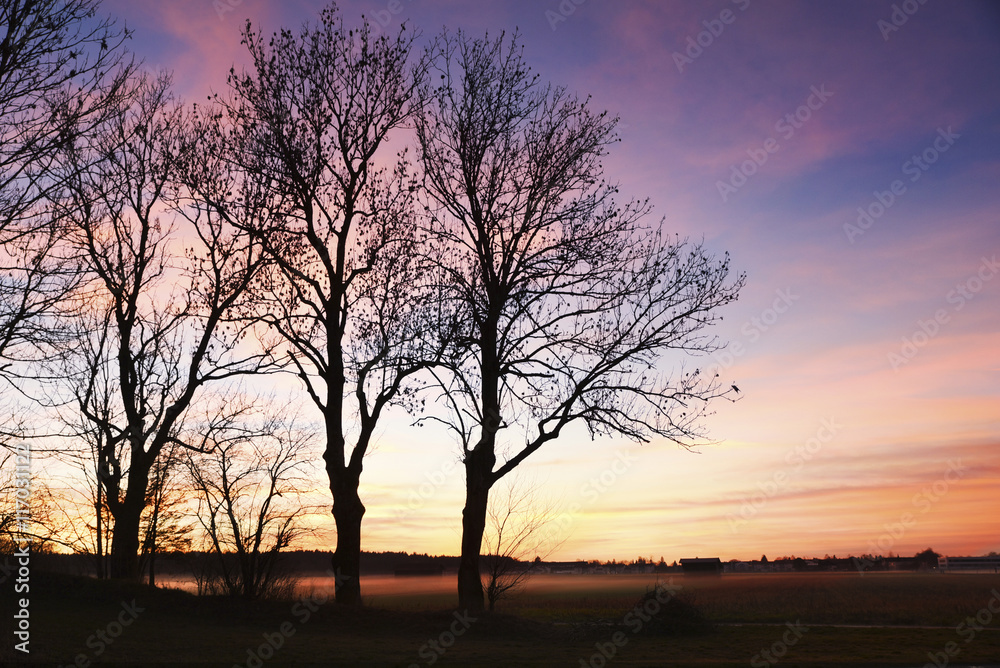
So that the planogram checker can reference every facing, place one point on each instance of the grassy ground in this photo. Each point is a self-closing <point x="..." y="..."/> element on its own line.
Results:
<point x="876" y="598"/>
<point x="794" y="616"/>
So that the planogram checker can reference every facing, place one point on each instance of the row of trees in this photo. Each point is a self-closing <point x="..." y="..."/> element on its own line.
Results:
<point x="155" y="251"/>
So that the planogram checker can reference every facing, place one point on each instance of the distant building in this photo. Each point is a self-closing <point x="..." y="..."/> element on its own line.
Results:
<point x="702" y="566"/>
<point x="737" y="566"/>
<point x="563" y="567"/>
<point x="988" y="564"/>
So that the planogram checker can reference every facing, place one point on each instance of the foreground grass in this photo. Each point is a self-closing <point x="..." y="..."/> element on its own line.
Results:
<point x="885" y="599"/>
<point x="541" y="628"/>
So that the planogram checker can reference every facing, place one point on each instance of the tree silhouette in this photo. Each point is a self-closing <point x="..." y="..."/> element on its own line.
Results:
<point x="165" y="525"/>
<point x="565" y="302"/>
<point x="149" y="317"/>
<point x="305" y="131"/>
<point x="62" y="71"/>
<point x="927" y="558"/>
<point x="248" y="487"/>
<point x="515" y="523"/>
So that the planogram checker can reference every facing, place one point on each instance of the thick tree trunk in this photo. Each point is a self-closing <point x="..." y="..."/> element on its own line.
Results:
<point x="348" y="511"/>
<point x="470" y="583"/>
<point x="124" y="560"/>
<point x="125" y="541"/>
<point x="479" y="464"/>
<point x="247" y="582"/>
<point x="478" y="469"/>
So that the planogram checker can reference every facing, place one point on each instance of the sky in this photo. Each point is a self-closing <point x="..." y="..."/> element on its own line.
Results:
<point x="847" y="156"/>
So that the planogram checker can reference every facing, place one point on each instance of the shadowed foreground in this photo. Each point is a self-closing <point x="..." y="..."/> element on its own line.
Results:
<point x="81" y="620"/>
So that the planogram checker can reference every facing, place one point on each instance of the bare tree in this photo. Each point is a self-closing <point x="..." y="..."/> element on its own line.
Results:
<point x="62" y="70"/>
<point x="29" y="506"/>
<point x="567" y="302"/>
<point x="151" y="322"/>
<point x="84" y="522"/>
<point x="307" y="129"/>
<point x="515" y="539"/>
<point x="8" y="503"/>
<point x="165" y="523"/>
<point x="81" y="520"/>
<point x="249" y="486"/>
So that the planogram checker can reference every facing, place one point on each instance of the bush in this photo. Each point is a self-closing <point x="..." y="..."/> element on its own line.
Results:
<point x="678" y="616"/>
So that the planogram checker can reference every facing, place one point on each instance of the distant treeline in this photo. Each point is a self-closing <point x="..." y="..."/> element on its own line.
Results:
<point x="305" y="562"/>
<point x="299" y="562"/>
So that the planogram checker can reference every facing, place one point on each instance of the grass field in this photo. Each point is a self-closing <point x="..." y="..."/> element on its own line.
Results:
<point x="798" y="620"/>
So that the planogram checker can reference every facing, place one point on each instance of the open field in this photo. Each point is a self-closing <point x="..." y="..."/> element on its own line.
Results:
<point x="557" y="621"/>
<point x="832" y="598"/>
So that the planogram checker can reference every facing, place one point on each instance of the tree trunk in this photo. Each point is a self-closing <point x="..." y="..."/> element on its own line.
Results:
<point x="151" y="553"/>
<point x="101" y="562"/>
<point x="125" y="541"/>
<point x="478" y="469"/>
<point x="348" y="512"/>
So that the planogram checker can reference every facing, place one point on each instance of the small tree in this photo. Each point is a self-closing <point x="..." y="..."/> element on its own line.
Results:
<point x="515" y="525"/>
<point x="248" y="487"/>
<point x="29" y="508"/>
<point x="165" y="523"/>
